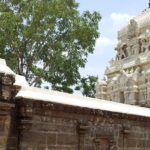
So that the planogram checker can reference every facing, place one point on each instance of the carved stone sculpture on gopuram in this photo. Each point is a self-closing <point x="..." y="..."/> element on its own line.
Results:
<point x="128" y="76"/>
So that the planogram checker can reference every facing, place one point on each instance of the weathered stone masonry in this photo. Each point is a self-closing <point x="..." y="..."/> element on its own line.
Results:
<point x="36" y="124"/>
<point x="8" y="130"/>
<point x="61" y="127"/>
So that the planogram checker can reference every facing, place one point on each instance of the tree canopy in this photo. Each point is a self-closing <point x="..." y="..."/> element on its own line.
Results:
<point x="87" y="86"/>
<point x="47" y="40"/>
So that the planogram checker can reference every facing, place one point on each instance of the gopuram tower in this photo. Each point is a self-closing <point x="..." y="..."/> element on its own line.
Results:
<point x="128" y="76"/>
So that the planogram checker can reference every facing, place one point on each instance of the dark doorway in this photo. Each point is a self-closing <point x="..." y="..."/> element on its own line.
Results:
<point x="122" y="97"/>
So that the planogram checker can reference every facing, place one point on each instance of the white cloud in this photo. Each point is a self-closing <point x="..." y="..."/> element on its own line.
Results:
<point x="105" y="42"/>
<point x="120" y="19"/>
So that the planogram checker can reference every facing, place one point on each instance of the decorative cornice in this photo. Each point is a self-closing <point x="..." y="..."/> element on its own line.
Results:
<point x="45" y="107"/>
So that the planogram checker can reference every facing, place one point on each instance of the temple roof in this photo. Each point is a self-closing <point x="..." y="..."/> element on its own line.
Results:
<point x="4" y="68"/>
<point x="19" y="80"/>
<point x="38" y="94"/>
<point x="44" y="95"/>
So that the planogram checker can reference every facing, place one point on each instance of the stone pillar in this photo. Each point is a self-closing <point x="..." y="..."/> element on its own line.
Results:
<point x="102" y="142"/>
<point x="7" y="105"/>
<point x="125" y="132"/>
<point x="6" y="88"/>
<point x="113" y="145"/>
<point x="97" y="144"/>
<point x="4" y="124"/>
<point x="81" y="131"/>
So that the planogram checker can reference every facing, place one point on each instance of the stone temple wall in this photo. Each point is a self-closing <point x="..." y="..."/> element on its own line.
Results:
<point x="47" y="126"/>
<point x="32" y="124"/>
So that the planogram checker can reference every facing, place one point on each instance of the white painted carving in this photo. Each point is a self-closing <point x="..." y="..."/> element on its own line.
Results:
<point x="128" y="76"/>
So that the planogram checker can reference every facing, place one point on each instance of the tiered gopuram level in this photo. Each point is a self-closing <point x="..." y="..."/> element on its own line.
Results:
<point x="128" y="76"/>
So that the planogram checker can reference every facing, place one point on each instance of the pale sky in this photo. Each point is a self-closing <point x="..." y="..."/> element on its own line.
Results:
<point x="115" y="14"/>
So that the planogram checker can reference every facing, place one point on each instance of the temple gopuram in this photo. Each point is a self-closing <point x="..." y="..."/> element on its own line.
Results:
<point x="128" y="76"/>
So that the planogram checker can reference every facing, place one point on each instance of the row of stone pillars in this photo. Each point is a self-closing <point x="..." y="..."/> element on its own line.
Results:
<point x="101" y="142"/>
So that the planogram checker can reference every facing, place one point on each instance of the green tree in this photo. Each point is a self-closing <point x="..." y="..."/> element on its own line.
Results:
<point x="87" y="86"/>
<point x="47" y="40"/>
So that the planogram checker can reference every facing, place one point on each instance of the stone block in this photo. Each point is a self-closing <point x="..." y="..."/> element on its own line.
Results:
<point x="130" y="143"/>
<point x="147" y="144"/>
<point x="62" y="147"/>
<point x="12" y="142"/>
<point x="67" y="139"/>
<point x="34" y="138"/>
<point x="51" y="138"/>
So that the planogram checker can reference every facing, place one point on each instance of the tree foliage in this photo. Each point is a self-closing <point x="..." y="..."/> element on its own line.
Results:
<point x="87" y="86"/>
<point x="47" y="40"/>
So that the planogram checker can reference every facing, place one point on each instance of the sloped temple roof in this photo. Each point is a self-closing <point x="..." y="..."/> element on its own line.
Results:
<point x="80" y="101"/>
<point x="38" y="94"/>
